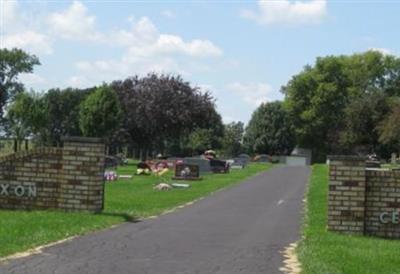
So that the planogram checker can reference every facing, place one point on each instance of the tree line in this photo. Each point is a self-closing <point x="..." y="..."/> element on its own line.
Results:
<point x="340" y="105"/>
<point x="141" y="115"/>
<point x="348" y="104"/>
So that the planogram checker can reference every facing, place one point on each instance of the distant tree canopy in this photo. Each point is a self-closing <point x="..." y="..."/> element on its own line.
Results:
<point x="341" y="104"/>
<point x="160" y="111"/>
<point x="200" y="140"/>
<point x="362" y="116"/>
<point x="12" y="63"/>
<point x="26" y="116"/>
<point x="389" y="127"/>
<point x="339" y="101"/>
<point x="62" y="108"/>
<point x="100" y="113"/>
<point x="232" y="139"/>
<point x="269" y="130"/>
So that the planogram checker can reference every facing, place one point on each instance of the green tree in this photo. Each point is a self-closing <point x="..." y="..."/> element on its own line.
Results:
<point x="200" y="140"/>
<point x="12" y="63"/>
<point x="269" y="130"/>
<point x="25" y="117"/>
<point x="100" y="114"/>
<point x="389" y="127"/>
<point x="232" y="139"/>
<point x="317" y="98"/>
<point x="160" y="112"/>
<point x="62" y="109"/>
<point x="361" y="118"/>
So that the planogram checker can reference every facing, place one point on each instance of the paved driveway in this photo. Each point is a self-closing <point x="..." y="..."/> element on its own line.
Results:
<point x="237" y="230"/>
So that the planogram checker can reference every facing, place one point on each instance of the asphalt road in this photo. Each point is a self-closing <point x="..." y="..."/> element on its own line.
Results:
<point x="238" y="230"/>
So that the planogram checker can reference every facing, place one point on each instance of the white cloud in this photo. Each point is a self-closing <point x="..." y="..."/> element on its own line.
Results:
<point x="143" y="32"/>
<point x="17" y="31"/>
<point x="108" y="70"/>
<point x="8" y="12"/>
<point x="172" y="44"/>
<point x="252" y="93"/>
<point x="384" y="51"/>
<point x="148" y="50"/>
<point x="74" y="23"/>
<point x="168" y="14"/>
<point x="31" y="41"/>
<point x="144" y="47"/>
<point x="145" y="40"/>
<point x="80" y="82"/>
<point x="206" y="87"/>
<point x="287" y="12"/>
<point x="228" y="119"/>
<point x="31" y="79"/>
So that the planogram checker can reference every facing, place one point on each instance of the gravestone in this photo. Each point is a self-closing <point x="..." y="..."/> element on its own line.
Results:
<point x="263" y="158"/>
<point x="230" y="161"/>
<point x="174" y="158"/>
<point x="244" y="156"/>
<point x="203" y="164"/>
<point x="187" y="172"/>
<point x="111" y="162"/>
<point x="238" y="163"/>
<point x="219" y="166"/>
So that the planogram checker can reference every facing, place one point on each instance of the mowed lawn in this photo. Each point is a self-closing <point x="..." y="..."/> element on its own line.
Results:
<point x="125" y="200"/>
<point x="321" y="251"/>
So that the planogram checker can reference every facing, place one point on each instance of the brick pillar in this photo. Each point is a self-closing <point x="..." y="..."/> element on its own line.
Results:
<point x="82" y="183"/>
<point x="346" y="196"/>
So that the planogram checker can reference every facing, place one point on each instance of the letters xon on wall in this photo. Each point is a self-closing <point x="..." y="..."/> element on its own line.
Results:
<point x="68" y="178"/>
<point x="363" y="200"/>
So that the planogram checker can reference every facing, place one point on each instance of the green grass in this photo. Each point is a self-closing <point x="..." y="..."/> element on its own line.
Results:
<point x="125" y="200"/>
<point x="321" y="251"/>
<point x="391" y="165"/>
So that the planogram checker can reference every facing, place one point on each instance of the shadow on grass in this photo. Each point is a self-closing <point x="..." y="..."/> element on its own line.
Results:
<point x="127" y="217"/>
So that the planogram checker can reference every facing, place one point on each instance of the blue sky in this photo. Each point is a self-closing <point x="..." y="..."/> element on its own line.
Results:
<point x="241" y="51"/>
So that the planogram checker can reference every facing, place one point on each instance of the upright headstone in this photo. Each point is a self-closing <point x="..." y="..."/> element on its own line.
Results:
<point x="263" y="158"/>
<point x="203" y="164"/>
<point x="246" y="158"/>
<point x="219" y="166"/>
<point x="186" y="172"/>
<point x="238" y="163"/>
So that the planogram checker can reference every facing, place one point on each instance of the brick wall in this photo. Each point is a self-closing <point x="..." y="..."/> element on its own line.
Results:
<point x="68" y="178"/>
<point x="362" y="200"/>
<point x="383" y="195"/>
<point x="346" y="194"/>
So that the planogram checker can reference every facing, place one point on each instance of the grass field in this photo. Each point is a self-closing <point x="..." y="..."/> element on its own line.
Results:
<point x="125" y="200"/>
<point x="321" y="251"/>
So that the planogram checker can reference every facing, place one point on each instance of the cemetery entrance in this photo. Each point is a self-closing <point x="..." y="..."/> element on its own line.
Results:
<point x="68" y="178"/>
